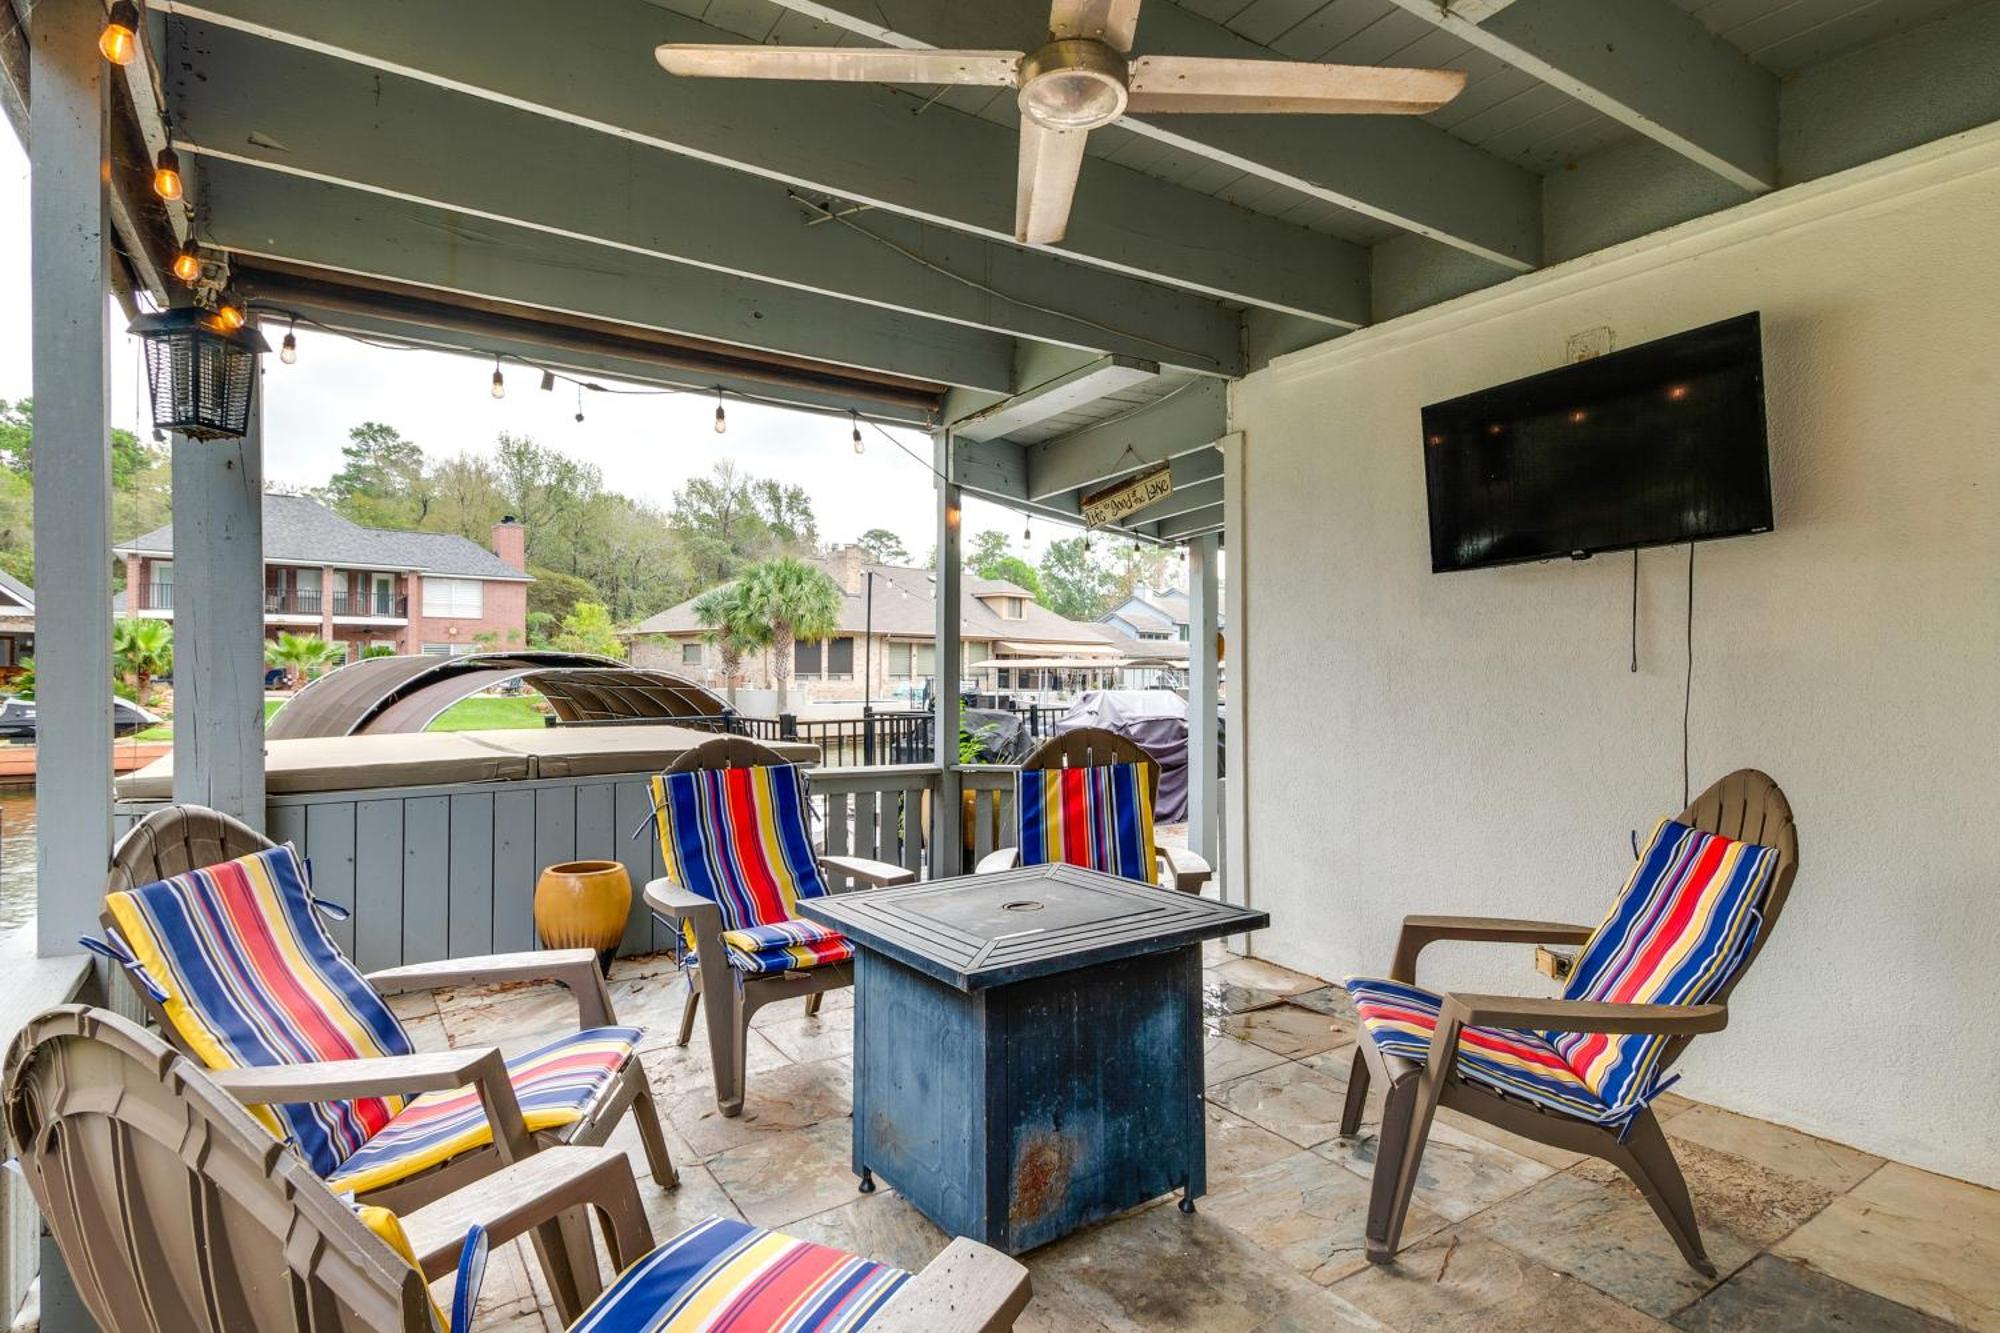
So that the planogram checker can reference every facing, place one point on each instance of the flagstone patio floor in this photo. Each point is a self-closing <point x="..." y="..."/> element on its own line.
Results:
<point x="1504" y="1234"/>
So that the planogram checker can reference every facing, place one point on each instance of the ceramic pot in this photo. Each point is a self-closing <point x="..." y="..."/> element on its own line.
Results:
<point x="583" y="905"/>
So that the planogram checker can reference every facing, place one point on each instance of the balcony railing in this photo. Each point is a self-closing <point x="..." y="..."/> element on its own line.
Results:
<point x="292" y="603"/>
<point x="156" y="597"/>
<point x="378" y="604"/>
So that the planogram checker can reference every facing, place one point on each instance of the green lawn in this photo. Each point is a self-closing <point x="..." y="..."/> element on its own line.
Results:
<point x="487" y="713"/>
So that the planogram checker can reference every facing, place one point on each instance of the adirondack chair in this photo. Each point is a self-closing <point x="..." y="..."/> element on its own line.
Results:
<point x="1579" y="1072"/>
<point x="175" y="1210"/>
<point x="735" y="838"/>
<point x="217" y="930"/>
<point x="1110" y="775"/>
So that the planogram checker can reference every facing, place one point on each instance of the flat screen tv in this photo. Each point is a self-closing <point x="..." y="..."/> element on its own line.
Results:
<point x="1651" y="446"/>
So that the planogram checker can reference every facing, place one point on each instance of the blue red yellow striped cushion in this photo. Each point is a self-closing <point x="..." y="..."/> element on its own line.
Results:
<point x="725" y="1276"/>
<point x="556" y="1085"/>
<point x="252" y="978"/>
<point x="739" y="837"/>
<point x="1678" y="931"/>
<point x="786" y="946"/>
<point x="1401" y="1019"/>
<point x="1100" y="818"/>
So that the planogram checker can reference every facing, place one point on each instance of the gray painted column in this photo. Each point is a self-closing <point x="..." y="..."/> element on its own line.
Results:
<point x="1204" y="678"/>
<point x="1236" y="796"/>
<point x="947" y="663"/>
<point x="219" y="621"/>
<point x="68" y="242"/>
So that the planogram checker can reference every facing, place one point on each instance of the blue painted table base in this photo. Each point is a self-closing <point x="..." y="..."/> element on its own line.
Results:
<point x="1017" y="1113"/>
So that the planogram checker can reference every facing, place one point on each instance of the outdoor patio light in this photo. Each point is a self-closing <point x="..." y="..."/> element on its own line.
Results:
<point x="230" y="316"/>
<point x="201" y="370"/>
<point x="721" y="417"/>
<point x="859" y="447"/>
<point x="187" y="264"/>
<point x="499" y="380"/>
<point x="120" y="39"/>
<point x="288" y="350"/>
<point x="167" y="174"/>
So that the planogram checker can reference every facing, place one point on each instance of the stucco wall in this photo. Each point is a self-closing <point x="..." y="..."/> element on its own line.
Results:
<point x="1475" y="742"/>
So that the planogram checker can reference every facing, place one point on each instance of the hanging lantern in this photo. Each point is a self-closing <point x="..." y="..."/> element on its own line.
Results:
<point x="201" y="373"/>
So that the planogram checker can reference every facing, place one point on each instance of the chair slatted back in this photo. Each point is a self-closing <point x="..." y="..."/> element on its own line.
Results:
<point x="173" y="1208"/>
<point x="735" y="827"/>
<point x="1086" y="798"/>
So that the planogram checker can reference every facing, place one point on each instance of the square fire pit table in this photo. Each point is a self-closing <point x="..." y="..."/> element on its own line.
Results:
<point x="1028" y="1046"/>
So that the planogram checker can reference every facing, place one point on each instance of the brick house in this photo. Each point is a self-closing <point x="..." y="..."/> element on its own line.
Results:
<point x="431" y="592"/>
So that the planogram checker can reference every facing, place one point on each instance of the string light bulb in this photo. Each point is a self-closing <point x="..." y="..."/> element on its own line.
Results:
<point x="167" y="174"/>
<point x="721" y="416"/>
<point x="119" y="42"/>
<point x="499" y="380"/>
<point x="187" y="264"/>
<point x="579" y="404"/>
<point x="288" y="350"/>
<point x="229" y="315"/>
<point x="1027" y="530"/>
<point x="859" y="446"/>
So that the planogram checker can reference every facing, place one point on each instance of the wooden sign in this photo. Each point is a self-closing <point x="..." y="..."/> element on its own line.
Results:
<point x="1128" y="496"/>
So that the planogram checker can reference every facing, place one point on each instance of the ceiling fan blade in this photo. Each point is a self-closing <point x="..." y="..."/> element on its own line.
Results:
<point x="844" y="64"/>
<point x="1050" y="161"/>
<point x="1188" y="83"/>
<point x="1112" y="22"/>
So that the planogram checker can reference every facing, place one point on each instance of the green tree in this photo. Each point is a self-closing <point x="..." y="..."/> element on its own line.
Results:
<point x="716" y="522"/>
<point x="788" y="515"/>
<point x="300" y="655"/>
<point x="141" y="490"/>
<point x="991" y="556"/>
<point x="883" y="546"/>
<point x="736" y="625"/>
<point x="798" y="601"/>
<point x="142" y="649"/>
<point x="556" y="593"/>
<point x="588" y="629"/>
<point x="1075" y="583"/>
<point x="466" y="497"/>
<point x="382" y="481"/>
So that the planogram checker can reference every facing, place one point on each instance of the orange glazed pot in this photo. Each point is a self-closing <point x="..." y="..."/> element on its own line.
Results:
<point x="583" y="905"/>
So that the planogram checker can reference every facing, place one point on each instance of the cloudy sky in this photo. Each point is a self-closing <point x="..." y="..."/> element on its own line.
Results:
<point x="647" y="446"/>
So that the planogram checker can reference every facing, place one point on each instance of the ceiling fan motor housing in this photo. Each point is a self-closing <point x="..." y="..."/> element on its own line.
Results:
<point x="1074" y="83"/>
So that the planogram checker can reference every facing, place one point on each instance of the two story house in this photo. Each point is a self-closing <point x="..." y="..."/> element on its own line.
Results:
<point x="413" y="592"/>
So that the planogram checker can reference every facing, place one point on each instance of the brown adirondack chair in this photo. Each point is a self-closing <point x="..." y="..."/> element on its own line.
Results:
<point x="1093" y="747"/>
<point x="175" y="1210"/>
<point x="177" y="839"/>
<point x="1746" y="806"/>
<point x="734" y="996"/>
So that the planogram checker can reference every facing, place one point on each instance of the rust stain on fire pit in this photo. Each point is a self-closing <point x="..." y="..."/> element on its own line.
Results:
<point x="1041" y="1176"/>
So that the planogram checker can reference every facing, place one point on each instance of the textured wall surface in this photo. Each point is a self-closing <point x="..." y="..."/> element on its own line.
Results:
<point x="1475" y="742"/>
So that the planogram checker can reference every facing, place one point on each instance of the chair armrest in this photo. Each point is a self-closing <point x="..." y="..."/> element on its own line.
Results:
<point x="1420" y="931"/>
<point x="574" y="968"/>
<point x="875" y="874"/>
<point x="1003" y="858"/>
<point x="1557" y="1015"/>
<point x="516" y="1199"/>
<point x="1185" y="870"/>
<point x="675" y="903"/>
<point x="479" y="1067"/>
<point x="967" y="1289"/>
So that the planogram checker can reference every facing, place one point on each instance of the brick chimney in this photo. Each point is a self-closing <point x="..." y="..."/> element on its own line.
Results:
<point x="510" y="542"/>
<point x="845" y="565"/>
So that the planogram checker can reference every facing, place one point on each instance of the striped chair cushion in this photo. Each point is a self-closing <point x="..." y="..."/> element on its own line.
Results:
<point x="1400" y="1019"/>
<point x="785" y="947"/>
<point x="556" y="1084"/>
<point x="251" y="977"/>
<point x="1676" y="934"/>
<point x="1100" y="818"/>
<point x="738" y="837"/>
<point x="724" y="1276"/>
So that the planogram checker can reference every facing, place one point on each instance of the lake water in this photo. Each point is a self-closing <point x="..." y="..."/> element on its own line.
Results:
<point x="17" y="859"/>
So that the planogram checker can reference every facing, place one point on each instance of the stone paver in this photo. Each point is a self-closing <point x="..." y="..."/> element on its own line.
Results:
<point x="1503" y="1233"/>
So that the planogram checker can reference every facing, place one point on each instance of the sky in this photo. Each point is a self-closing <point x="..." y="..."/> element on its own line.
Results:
<point x="646" y="446"/>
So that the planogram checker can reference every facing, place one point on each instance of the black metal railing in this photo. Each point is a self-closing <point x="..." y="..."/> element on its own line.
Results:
<point x="370" y="604"/>
<point x="902" y="737"/>
<point x="158" y="597"/>
<point x="292" y="603"/>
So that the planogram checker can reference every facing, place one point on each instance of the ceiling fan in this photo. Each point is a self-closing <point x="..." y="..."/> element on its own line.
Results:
<point x="1083" y="79"/>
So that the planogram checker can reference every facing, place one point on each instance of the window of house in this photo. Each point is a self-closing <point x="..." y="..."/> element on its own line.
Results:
<point x="1150" y="634"/>
<point x="691" y="654"/>
<point x="454" y="599"/>
<point x="840" y="657"/>
<point x="926" y="659"/>
<point x="805" y="659"/>
<point x="899" y="659"/>
<point x="437" y="650"/>
<point x="1013" y="608"/>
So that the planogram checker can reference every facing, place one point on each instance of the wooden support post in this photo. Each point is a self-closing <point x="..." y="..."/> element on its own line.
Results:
<point x="946" y="835"/>
<point x="1235" y="868"/>
<point x="219" y="624"/>
<point x="1204" y="697"/>
<point x="69" y="240"/>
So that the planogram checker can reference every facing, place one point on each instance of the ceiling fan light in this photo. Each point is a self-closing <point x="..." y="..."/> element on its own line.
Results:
<point x="1073" y="85"/>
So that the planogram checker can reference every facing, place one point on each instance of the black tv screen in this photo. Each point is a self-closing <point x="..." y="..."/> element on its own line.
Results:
<point x="1654" y="445"/>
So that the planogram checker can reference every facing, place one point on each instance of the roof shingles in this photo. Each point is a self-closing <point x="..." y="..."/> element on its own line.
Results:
<point x="302" y="531"/>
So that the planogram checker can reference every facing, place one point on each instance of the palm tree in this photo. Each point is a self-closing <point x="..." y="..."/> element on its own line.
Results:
<point x="730" y="621"/>
<point x="798" y="602"/>
<point x="298" y="654"/>
<point x="142" y="648"/>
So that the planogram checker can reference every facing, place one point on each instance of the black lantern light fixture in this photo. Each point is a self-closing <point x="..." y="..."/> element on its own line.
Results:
<point x="201" y="371"/>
